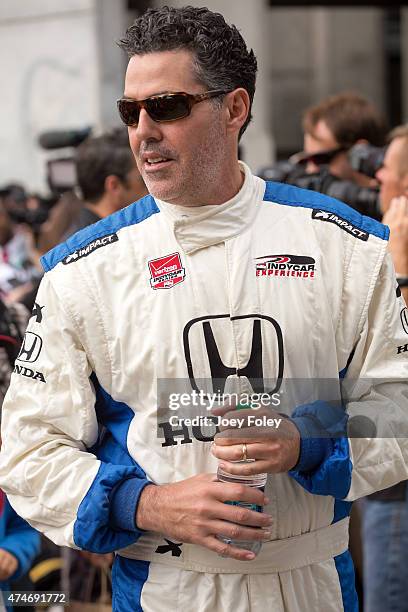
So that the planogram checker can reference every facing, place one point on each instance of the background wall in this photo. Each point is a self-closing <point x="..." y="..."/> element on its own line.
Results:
<point x="61" y="68"/>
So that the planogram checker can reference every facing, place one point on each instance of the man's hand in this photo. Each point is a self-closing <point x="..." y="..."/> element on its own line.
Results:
<point x="8" y="564"/>
<point x="274" y="449"/>
<point x="194" y="511"/>
<point x="396" y="218"/>
<point x="98" y="560"/>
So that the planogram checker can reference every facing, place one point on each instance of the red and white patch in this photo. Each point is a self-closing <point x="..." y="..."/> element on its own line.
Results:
<point x="167" y="271"/>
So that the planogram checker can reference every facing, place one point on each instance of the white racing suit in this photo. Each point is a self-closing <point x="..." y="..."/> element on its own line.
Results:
<point x="277" y="284"/>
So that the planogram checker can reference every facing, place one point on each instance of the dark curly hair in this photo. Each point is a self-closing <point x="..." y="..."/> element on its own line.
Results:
<point x="221" y="57"/>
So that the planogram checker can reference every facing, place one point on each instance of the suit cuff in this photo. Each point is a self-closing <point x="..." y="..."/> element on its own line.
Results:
<point x="124" y="503"/>
<point x="313" y="449"/>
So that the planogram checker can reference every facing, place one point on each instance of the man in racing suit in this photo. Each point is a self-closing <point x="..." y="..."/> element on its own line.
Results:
<point x="217" y="276"/>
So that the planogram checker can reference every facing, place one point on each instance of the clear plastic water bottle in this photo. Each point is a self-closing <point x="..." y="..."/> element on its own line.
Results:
<point x="258" y="481"/>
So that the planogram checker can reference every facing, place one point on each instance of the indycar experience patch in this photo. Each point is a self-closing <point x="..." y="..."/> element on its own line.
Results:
<point x="340" y="222"/>
<point x="90" y="248"/>
<point x="167" y="271"/>
<point x="298" y="266"/>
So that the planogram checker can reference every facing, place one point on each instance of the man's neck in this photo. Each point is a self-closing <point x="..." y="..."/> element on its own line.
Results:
<point x="219" y="192"/>
<point x="231" y="184"/>
<point x="102" y="208"/>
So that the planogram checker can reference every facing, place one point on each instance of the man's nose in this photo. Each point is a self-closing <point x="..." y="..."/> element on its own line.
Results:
<point x="311" y="168"/>
<point x="147" y="129"/>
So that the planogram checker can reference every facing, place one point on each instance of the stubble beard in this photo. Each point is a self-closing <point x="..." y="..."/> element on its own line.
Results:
<point x="200" y="182"/>
<point x="200" y="179"/>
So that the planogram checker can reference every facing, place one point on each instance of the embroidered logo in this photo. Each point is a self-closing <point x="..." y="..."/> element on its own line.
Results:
<point x="296" y="266"/>
<point x="167" y="271"/>
<point x="172" y="547"/>
<point x="37" y="312"/>
<point x="404" y="319"/>
<point x="90" y="248"/>
<point x="31" y="348"/>
<point x="340" y="222"/>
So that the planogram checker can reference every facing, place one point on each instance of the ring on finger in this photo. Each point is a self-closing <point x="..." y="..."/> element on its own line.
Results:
<point x="244" y="452"/>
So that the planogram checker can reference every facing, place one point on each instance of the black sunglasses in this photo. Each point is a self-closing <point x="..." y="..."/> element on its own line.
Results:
<point x="166" y="107"/>
<point x="320" y="157"/>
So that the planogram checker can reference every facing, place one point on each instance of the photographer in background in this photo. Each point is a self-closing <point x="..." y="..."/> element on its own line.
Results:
<point x="393" y="179"/>
<point x="344" y="137"/>
<point x="385" y="516"/>
<point x="334" y="126"/>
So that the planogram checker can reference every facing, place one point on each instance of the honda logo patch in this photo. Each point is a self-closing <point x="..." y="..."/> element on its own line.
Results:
<point x="404" y="319"/>
<point x="31" y="348"/>
<point x="210" y="330"/>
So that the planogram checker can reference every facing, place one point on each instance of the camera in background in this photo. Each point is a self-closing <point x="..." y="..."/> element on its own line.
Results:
<point x="364" y="158"/>
<point x="61" y="171"/>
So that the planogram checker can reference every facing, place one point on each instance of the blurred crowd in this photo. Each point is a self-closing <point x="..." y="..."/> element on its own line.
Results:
<point x="349" y="154"/>
<point x="106" y="180"/>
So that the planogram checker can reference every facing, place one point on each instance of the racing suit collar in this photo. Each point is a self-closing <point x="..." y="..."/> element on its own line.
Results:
<point x="204" y="226"/>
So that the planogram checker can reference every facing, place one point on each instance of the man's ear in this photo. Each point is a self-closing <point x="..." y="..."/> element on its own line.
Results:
<point x="112" y="183"/>
<point x="404" y="184"/>
<point x="237" y="106"/>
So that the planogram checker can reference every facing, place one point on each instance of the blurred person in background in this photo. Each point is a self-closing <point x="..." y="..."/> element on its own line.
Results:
<point x="344" y="137"/>
<point x="393" y="179"/>
<point x="19" y="543"/>
<point x="27" y="210"/>
<point x="107" y="180"/>
<point x="107" y="176"/>
<point x="37" y="557"/>
<point x="19" y="266"/>
<point x="332" y="127"/>
<point x="62" y="215"/>
<point x="385" y="515"/>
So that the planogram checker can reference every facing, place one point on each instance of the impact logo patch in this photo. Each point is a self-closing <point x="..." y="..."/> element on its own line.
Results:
<point x="345" y="225"/>
<point x="167" y="271"/>
<point x="37" y="312"/>
<point x="172" y="547"/>
<point x="296" y="266"/>
<point x="90" y="248"/>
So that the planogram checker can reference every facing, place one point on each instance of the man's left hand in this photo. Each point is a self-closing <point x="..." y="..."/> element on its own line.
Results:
<point x="8" y="564"/>
<point x="275" y="450"/>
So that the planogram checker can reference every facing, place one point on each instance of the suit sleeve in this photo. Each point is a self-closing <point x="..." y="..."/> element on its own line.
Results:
<point x="49" y="425"/>
<point x="20" y="540"/>
<point x="361" y="445"/>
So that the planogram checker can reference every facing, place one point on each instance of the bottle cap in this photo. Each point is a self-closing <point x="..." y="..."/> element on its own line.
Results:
<point x="243" y="406"/>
